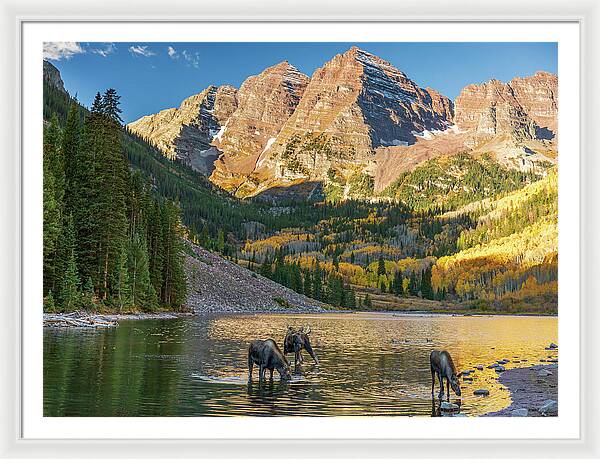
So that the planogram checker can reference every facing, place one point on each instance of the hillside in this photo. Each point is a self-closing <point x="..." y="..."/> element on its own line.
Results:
<point x="457" y="228"/>
<point x="218" y="285"/>
<point x="511" y="255"/>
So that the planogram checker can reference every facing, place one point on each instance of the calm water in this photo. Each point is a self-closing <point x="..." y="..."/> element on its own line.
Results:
<point x="370" y="364"/>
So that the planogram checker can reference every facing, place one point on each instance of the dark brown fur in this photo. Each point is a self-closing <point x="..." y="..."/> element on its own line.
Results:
<point x="442" y="365"/>
<point x="295" y="341"/>
<point x="267" y="355"/>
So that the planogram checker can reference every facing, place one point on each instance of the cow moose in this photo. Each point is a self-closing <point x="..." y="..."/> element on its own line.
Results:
<point x="267" y="355"/>
<point x="442" y="365"/>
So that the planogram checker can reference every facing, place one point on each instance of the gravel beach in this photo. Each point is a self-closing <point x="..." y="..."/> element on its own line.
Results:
<point x="532" y="389"/>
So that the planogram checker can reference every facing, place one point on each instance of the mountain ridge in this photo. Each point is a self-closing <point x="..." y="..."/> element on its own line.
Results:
<point x="357" y="115"/>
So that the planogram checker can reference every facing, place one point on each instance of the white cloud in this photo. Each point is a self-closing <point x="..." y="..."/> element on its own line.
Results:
<point x="192" y="59"/>
<point x="109" y="48"/>
<point x="141" y="50"/>
<point x="172" y="53"/>
<point x="57" y="50"/>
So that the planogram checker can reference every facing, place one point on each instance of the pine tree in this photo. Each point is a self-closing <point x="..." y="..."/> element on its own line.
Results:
<point x="308" y="283"/>
<point x="69" y="287"/>
<point x="68" y="280"/>
<point x="351" y="299"/>
<point x="143" y="294"/>
<point x="110" y="106"/>
<point x="317" y="287"/>
<point x="49" y="305"/>
<point x="88" y="294"/>
<point x="123" y="287"/>
<point x="173" y="290"/>
<point x="381" y="266"/>
<point x="221" y="241"/>
<point x="52" y="228"/>
<point x="70" y="153"/>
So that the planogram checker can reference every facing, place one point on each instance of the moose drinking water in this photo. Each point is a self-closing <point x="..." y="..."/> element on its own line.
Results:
<point x="443" y="366"/>
<point x="295" y="341"/>
<point x="267" y="355"/>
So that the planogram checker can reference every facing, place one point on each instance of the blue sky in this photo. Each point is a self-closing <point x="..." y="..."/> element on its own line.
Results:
<point x="154" y="76"/>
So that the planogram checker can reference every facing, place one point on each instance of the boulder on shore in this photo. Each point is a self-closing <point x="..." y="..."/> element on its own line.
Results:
<point x="549" y="408"/>
<point x="447" y="406"/>
<point x="521" y="412"/>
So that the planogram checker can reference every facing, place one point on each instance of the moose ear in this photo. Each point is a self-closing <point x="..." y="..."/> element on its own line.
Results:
<point x="290" y="328"/>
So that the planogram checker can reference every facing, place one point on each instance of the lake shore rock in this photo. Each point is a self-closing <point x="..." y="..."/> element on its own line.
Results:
<point x="83" y="319"/>
<point x="529" y="391"/>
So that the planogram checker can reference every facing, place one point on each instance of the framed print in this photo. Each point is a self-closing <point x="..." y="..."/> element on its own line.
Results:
<point x="240" y="233"/>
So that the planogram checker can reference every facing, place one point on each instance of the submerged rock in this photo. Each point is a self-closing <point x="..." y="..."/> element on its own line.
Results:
<point x="521" y="412"/>
<point x="544" y="372"/>
<point x="479" y="367"/>
<point x="483" y="392"/>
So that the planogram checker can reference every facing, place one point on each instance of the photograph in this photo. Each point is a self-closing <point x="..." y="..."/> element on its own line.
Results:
<point x="300" y="229"/>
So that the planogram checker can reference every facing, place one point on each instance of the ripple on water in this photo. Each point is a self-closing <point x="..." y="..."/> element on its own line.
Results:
<point x="369" y="364"/>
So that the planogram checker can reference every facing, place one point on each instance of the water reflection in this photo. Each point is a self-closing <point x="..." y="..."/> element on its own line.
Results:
<point x="369" y="364"/>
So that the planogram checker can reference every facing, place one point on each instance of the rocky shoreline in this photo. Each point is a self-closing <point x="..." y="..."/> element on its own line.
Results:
<point x="534" y="391"/>
<point x="81" y="319"/>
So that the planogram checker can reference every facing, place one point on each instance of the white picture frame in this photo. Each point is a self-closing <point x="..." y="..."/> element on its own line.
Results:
<point x="17" y="14"/>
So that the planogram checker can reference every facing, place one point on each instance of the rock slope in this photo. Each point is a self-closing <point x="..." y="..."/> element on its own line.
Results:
<point x="525" y="108"/>
<point x="52" y="76"/>
<point x="265" y="102"/>
<point x="216" y="285"/>
<point x="187" y="132"/>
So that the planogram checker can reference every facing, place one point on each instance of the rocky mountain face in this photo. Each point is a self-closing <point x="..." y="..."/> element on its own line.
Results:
<point x="264" y="103"/>
<point x="187" y="132"/>
<point x="353" y="104"/>
<point x="524" y="108"/>
<point x="52" y="76"/>
<point x="515" y="123"/>
<point x="357" y="119"/>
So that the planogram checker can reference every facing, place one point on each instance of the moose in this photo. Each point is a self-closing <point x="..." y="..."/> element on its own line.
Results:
<point x="295" y="341"/>
<point x="442" y="365"/>
<point x="267" y="355"/>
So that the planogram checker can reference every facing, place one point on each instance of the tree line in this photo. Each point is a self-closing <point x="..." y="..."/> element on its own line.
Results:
<point x="109" y="243"/>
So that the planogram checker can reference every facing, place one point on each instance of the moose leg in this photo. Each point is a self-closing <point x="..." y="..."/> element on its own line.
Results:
<point x="432" y="381"/>
<point x="310" y="351"/>
<point x="441" y="381"/>
<point x="448" y="388"/>
<point x="261" y="374"/>
<point x="250" y="367"/>
<point x="271" y="377"/>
